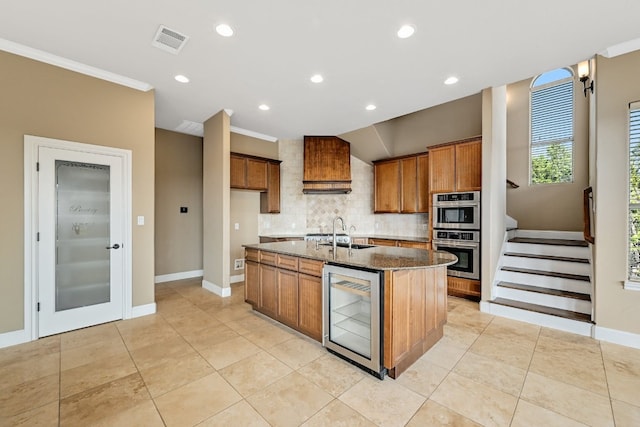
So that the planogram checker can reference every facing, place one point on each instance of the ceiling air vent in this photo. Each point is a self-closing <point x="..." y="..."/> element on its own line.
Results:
<point x="169" y="40"/>
<point x="191" y="128"/>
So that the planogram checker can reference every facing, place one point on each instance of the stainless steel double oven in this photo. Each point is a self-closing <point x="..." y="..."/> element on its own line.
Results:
<point x="456" y="229"/>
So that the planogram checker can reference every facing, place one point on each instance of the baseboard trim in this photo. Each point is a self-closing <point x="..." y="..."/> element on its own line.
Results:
<point x="615" y="336"/>
<point x="218" y="290"/>
<point x="7" y="339"/>
<point x="143" y="310"/>
<point x="236" y="279"/>
<point x="178" y="276"/>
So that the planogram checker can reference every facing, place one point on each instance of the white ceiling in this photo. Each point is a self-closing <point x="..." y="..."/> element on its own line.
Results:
<point x="279" y="44"/>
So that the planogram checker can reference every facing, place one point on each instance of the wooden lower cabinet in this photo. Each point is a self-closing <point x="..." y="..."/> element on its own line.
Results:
<point x="383" y="242"/>
<point x="286" y="288"/>
<point x="287" y="297"/>
<point x="465" y="288"/>
<point x="310" y="305"/>
<point x="416" y="245"/>
<point x="268" y="290"/>
<point x="252" y="282"/>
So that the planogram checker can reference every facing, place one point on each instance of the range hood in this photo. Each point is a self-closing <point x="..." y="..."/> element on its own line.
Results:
<point x="327" y="165"/>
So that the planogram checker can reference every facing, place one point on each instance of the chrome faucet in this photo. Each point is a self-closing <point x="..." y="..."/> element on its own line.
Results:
<point x="344" y="228"/>
<point x="351" y="230"/>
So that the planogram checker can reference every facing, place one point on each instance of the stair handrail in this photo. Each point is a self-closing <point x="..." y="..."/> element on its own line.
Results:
<point x="587" y="194"/>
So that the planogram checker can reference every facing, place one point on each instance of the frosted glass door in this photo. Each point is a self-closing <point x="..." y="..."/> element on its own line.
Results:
<point x="81" y="229"/>
<point x="82" y="235"/>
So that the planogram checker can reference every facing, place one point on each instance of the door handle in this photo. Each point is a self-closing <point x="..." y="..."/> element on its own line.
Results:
<point x="116" y="246"/>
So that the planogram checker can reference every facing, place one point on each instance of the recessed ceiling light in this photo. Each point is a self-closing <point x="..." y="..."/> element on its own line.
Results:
<point x="181" y="78"/>
<point x="451" y="80"/>
<point x="406" y="31"/>
<point x="317" y="78"/>
<point x="370" y="107"/>
<point x="224" y="30"/>
<point x="264" y="107"/>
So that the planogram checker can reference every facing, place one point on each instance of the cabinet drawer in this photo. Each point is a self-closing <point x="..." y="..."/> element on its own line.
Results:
<point x="267" y="258"/>
<point x="412" y="244"/>
<point x="310" y="266"/>
<point x="252" y="255"/>
<point x="382" y="242"/>
<point x="287" y="262"/>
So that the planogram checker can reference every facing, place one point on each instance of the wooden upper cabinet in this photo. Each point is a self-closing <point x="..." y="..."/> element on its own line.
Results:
<point x="386" y="177"/>
<point x="401" y="185"/>
<point x="256" y="174"/>
<point x="442" y="169"/>
<point x="238" y="171"/>
<point x="456" y="167"/>
<point x="270" y="199"/>
<point x="327" y="165"/>
<point x="469" y="166"/>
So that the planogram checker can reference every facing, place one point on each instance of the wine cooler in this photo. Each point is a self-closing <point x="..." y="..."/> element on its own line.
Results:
<point x="352" y="316"/>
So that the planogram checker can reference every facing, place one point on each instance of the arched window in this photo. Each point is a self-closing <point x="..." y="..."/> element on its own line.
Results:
<point x="551" y="137"/>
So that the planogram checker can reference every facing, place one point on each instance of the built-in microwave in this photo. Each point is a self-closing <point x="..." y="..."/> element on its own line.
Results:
<point x="456" y="210"/>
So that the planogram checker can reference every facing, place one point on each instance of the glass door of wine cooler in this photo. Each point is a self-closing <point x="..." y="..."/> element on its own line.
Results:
<point x="352" y="315"/>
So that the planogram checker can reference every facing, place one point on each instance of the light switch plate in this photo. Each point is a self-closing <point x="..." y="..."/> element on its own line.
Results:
<point x="140" y="220"/>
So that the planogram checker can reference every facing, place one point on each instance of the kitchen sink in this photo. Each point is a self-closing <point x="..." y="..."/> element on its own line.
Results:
<point x="346" y="245"/>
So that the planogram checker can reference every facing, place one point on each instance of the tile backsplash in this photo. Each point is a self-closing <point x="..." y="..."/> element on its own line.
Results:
<point x="313" y="213"/>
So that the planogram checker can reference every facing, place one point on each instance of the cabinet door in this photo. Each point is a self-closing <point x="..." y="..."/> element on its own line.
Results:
<point x="310" y="298"/>
<point x="252" y="282"/>
<point x="410" y="244"/>
<point x="268" y="290"/>
<point x="256" y="174"/>
<point x="460" y="287"/>
<point x="423" y="184"/>
<point x="386" y="183"/>
<point x="442" y="168"/>
<point x="270" y="200"/>
<point x="409" y="184"/>
<point x="469" y="166"/>
<point x="288" y="297"/>
<point x="238" y="172"/>
<point x="383" y="242"/>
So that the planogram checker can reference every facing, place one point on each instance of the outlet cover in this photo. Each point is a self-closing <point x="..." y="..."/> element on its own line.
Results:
<point x="238" y="264"/>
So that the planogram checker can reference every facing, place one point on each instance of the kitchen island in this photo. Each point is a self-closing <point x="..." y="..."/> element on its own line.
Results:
<point x="283" y="280"/>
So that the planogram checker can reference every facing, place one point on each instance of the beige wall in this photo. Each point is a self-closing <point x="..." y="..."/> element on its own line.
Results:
<point x="253" y="146"/>
<point x="178" y="178"/>
<point x="44" y="100"/>
<point x="562" y="202"/>
<point x="452" y="121"/>
<point x="616" y="86"/>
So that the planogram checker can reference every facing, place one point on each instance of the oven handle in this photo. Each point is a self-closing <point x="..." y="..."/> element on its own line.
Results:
<point x="458" y="245"/>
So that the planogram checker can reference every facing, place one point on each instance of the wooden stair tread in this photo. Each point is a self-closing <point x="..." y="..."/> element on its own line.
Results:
<point x="547" y="273"/>
<point x="572" y="315"/>
<point x="549" y="257"/>
<point x="546" y="291"/>
<point x="557" y="242"/>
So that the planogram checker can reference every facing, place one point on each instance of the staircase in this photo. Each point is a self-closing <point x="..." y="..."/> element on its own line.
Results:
<point x="544" y="279"/>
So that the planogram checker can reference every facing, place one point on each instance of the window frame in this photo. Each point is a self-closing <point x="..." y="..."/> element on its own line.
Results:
<point x="532" y="88"/>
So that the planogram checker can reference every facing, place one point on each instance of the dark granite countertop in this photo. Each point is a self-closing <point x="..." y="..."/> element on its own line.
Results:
<point x="375" y="258"/>
<point x="355" y="236"/>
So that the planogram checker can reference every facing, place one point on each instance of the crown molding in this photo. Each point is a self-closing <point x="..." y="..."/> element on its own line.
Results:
<point x="253" y="134"/>
<point x="621" y="48"/>
<point x="58" y="61"/>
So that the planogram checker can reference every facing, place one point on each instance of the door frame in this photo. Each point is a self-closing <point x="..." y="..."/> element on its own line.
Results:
<point x="31" y="146"/>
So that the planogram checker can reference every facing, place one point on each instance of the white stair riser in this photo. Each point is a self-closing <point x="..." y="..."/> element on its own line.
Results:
<point x="549" y="250"/>
<point x="550" y="234"/>
<point x="564" y="303"/>
<point x="544" y="281"/>
<point x="548" y="265"/>
<point x="555" y="322"/>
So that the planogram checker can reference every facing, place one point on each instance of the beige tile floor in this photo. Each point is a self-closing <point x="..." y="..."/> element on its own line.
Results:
<point x="203" y="360"/>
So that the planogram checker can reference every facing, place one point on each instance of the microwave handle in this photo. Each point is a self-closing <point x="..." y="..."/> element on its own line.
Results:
<point x="459" y="245"/>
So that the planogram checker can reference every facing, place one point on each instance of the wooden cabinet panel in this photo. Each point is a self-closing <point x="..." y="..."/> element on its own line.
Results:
<point x="268" y="290"/>
<point x="252" y="254"/>
<point x="267" y="258"/>
<point x="409" y="185"/>
<point x="252" y="282"/>
<point x="270" y="199"/>
<point x="310" y="266"/>
<point x="287" y="307"/>
<point x="423" y="195"/>
<point x="411" y="244"/>
<point x="386" y="176"/>
<point x="359" y="240"/>
<point x="287" y="262"/>
<point x="327" y="164"/>
<point x="442" y="164"/>
<point x="310" y="305"/>
<point x="469" y="166"/>
<point x="463" y="287"/>
<point x="383" y="242"/>
<point x="238" y="171"/>
<point x="256" y="174"/>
